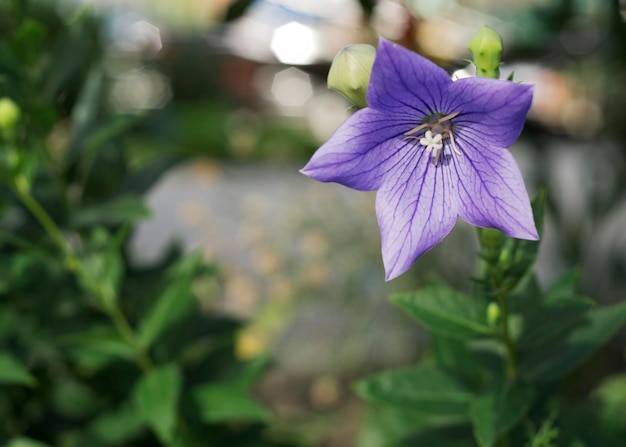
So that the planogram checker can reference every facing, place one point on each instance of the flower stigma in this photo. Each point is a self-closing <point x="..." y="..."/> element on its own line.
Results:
<point x="437" y="127"/>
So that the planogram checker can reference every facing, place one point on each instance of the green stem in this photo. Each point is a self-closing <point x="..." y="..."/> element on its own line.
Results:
<point x="126" y="331"/>
<point x="511" y="362"/>
<point x="46" y="221"/>
<point x="72" y="262"/>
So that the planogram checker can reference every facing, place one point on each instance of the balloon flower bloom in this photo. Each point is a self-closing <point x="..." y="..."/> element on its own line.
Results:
<point x="435" y="150"/>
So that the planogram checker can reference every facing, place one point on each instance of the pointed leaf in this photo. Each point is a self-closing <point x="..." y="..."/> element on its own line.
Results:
<point x="224" y="402"/>
<point x="385" y="425"/>
<point x="424" y="388"/>
<point x="564" y="289"/>
<point x="252" y="370"/>
<point x="12" y="372"/>
<point x="445" y="311"/>
<point x="118" y="426"/>
<point x="554" y="360"/>
<point x="231" y="401"/>
<point x="97" y="347"/>
<point x="101" y="274"/>
<point x="85" y="111"/>
<point x="174" y="304"/>
<point x="495" y="413"/>
<point x="556" y="316"/>
<point x="156" y="398"/>
<point x="124" y="209"/>
<point x="461" y="356"/>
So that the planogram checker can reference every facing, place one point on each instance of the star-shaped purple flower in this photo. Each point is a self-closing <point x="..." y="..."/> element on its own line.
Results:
<point x="435" y="151"/>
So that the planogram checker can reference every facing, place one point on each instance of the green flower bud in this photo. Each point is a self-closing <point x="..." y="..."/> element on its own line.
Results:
<point x="505" y="258"/>
<point x="493" y="314"/>
<point x="491" y="240"/>
<point x="486" y="47"/>
<point x="350" y="72"/>
<point x="9" y="114"/>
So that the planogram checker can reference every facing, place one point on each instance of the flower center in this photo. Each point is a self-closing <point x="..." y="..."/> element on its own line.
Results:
<point x="436" y="128"/>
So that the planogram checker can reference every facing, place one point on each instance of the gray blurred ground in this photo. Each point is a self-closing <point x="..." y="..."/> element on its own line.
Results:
<point x="300" y="258"/>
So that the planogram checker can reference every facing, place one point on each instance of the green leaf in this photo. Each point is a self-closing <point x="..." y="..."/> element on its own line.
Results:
<point x="552" y="316"/>
<point x="75" y="400"/>
<point x="454" y="354"/>
<point x="12" y="372"/>
<point x="553" y="322"/>
<point x="85" y="111"/>
<point x="445" y="311"/>
<point x="252" y="371"/>
<point x="546" y="436"/>
<point x="556" y="359"/>
<point x="156" y="397"/>
<point x="231" y="401"/>
<point x="386" y="425"/>
<point x="115" y="127"/>
<point x="101" y="274"/>
<point x="424" y="388"/>
<point x="564" y="291"/>
<point x="25" y="442"/>
<point x="124" y="209"/>
<point x="117" y="427"/>
<point x="493" y="414"/>
<point x="390" y="426"/>
<point x="443" y="436"/>
<point x="97" y="347"/>
<point x="174" y="304"/>
<point x="224" y="402"/>
<point x="612" y="395"/>
<point x="142" y="178"/>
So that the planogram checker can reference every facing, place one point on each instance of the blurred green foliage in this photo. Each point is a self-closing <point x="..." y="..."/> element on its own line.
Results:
<point x="93" y="351"/>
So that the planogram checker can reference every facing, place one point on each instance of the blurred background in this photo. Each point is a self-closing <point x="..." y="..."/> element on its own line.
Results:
<point x="230" y="100"/>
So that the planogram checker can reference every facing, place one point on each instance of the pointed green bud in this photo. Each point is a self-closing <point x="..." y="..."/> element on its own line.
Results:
<point x="350" y="72"/>
<point x="9" y="115"/>
<point x="493" y="314"/>
<point x="486" y="47"/>
<point x="505" y="258"/>
<point x="491" y="239"/>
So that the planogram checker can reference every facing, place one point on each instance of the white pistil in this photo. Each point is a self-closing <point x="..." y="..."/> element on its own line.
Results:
<point x="432" y="143"/>
<point x="432" y="140"/>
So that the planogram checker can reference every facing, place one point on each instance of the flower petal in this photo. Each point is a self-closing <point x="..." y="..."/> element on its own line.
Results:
<point x="491" y="110"/>
<point x="359" y="153"/>
<point x="491" y="190"/>
<point x="405" y="83"/>
<point x="416" y="208"/>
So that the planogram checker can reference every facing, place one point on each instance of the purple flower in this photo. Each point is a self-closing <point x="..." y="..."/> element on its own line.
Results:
<point x="435" y="150"/>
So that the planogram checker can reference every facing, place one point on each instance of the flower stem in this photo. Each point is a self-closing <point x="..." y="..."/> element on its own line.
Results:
<point x="511" y="362"/>
<point x="73" y="264"/>
<point x="494" y="272"/>
<point x="126" y="331"/>
<point x="45" y="221"/>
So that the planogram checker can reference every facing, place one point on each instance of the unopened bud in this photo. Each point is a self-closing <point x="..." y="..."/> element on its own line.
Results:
<point x="491" y="239"/>
<point x="505" y="258"/>
<point x="486" y="47"/>
<point x="9" y="114"/>
<point x="350" y="72"/>
<point x="493" y="314"/>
